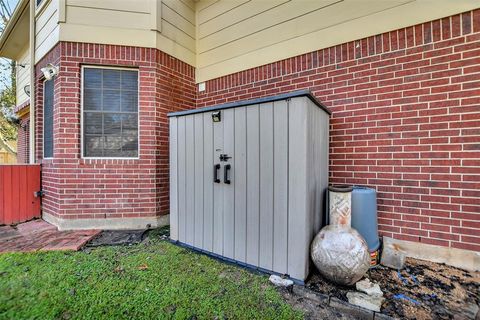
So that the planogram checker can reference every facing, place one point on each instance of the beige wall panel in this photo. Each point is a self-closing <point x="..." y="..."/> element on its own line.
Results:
<point x="131" y="23"/>
<point x="43" y="31"/>
<point x="108" y="18"/>
<point x="227" y="44"/>
<point x="107" y="35"/>
<point x="212" y="66"/>
<point x="173" y="48"/>
<point x="156" y="15"/>
<point x="62" y="10"/>
<point x="233" y="35"/>
<point x="172" y="32"/>
<point x="178" y="21"/>
<point x="121" y="5"/>
<point x="188" y="3"/>
<point x="183" y="8"/>
<point x="242" y="12"/>
<point x="48" y="42"/>
<point x="23" y="76"/>
<point x="218" y="8"/>
<point x="46" y="28"/>
<point x="204" y="4"/>
<point x="44" y="14"/>
<point x="277" y="22"/>
<point x="127" y="37"/>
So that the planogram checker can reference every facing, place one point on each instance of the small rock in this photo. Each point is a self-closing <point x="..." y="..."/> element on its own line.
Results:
<point x="392" y="258"/>
<point x="365" y="301"/>
<point x="280" y="282"/>
<point x="347" y="308"/>
<point x="370" y="288"/>
<point x="469" y="311"/>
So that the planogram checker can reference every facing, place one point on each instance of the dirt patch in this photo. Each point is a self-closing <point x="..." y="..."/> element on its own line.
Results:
<point x="313" y="310"/>
<point x="117" y="237"/>
<point x="422" y="290"/>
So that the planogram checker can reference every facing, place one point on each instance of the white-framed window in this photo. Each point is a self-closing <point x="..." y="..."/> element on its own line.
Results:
<point x="110" y="125"/>
<point x="48" y="97"/>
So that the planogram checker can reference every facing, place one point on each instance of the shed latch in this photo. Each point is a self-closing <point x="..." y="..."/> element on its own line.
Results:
<point x="224" y="157"/>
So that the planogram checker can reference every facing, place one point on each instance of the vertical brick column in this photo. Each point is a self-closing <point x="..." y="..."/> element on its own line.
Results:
<point x="89" y="190"/>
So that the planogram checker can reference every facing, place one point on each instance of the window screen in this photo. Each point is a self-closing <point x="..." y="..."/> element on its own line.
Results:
<point x="110" y="113"/>
<point x="48" y="119"/>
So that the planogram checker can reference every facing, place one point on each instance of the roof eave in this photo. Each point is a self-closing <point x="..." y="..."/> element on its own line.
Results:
<point x="9" y="48"/>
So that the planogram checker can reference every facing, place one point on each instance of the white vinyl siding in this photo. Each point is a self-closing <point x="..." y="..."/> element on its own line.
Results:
<point x="23" y="76"/>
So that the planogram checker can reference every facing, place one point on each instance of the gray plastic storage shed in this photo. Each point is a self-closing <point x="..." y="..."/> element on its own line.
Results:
<point x="248" y="180"/>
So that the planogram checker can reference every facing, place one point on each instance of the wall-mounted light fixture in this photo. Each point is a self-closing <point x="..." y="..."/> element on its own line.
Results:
<point x="216" y="116"/>
<point x="49" y="71"/>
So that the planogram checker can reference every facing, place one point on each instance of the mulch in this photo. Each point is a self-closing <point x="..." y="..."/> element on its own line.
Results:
<point x="421" y="290"/>
<point x="118" y="237"/>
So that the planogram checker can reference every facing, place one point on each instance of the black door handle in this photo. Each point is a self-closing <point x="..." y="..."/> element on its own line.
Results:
<point x="227" y="168"/>
<point x="216" y="167"/>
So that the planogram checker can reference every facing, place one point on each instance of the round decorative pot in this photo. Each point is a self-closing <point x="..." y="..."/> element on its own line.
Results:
<point x="340" y="254"/>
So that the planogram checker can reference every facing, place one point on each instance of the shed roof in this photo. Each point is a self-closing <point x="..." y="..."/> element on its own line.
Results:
<point x="283" y="96"/>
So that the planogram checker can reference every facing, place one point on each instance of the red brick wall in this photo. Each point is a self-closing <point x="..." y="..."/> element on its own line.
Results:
<point x="84" y="188"/>
<point x="53" y="180"/>
<point x="23" y="136"/>
<point x="406" y="111"/>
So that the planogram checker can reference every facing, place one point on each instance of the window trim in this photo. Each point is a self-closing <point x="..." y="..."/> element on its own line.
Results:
<point x="82" y="77"/>
<point x="43" y="121"/>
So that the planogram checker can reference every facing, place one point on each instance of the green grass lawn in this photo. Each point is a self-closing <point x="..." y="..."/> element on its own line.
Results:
<point x="153" y="280"/>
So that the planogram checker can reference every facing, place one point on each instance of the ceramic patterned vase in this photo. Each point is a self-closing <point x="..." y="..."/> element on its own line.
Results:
<point x="338" y="251"/>
<point x="340" y="254"/>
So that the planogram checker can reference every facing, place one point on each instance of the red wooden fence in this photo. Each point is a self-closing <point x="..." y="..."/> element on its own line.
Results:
<point x="18" y="184"/>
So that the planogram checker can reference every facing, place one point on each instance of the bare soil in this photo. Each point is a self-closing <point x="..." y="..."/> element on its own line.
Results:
<point x="421" y="290"/>
<point x="313" y="310"/>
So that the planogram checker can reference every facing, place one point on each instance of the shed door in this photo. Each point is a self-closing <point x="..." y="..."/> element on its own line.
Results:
<point x="221" y="147"/>
<point x="250" y="159"/>
<point x="250" y="181"/>
<point x="224" y="183"/>
<point x="230" y="183"/>
<point x="203" y="162"/>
